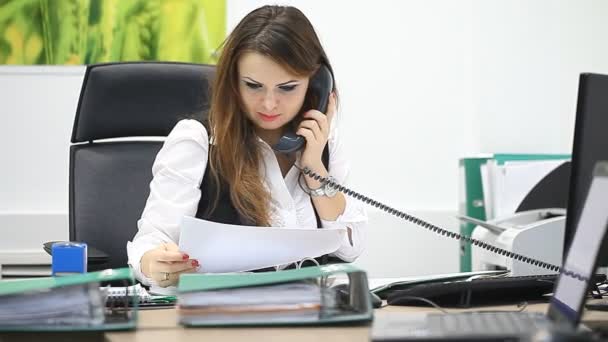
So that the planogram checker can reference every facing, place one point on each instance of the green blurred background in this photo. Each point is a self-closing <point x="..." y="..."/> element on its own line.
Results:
<point x="95" y="31"/>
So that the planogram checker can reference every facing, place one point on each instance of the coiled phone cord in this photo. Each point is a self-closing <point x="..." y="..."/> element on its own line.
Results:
<point x="429" y="226"/>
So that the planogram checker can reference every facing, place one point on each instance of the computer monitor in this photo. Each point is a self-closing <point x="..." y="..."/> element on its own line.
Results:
<point x="590" y="145"/>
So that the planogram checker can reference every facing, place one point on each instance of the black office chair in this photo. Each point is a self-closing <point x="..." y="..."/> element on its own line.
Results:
<point x="109" y="179"/>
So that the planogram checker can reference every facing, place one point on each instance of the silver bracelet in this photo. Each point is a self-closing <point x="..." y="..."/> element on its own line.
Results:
<point x="304" y="186"/>
<point x="324" y="190"/>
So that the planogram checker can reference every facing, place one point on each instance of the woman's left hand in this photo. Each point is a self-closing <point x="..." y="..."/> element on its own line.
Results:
<point x="315" y="129"/>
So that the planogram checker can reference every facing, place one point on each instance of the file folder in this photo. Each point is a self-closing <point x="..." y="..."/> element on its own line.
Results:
<point x="472" y="203"/>
<point x="67" y="303"/>
<point x="305" y="296"/>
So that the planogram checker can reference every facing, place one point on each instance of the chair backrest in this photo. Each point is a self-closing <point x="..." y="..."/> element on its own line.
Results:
<point x="109" y="179"/>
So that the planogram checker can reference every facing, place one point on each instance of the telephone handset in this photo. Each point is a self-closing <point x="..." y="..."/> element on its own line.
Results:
<point x="319" y="88"/>
<point x="438" y="230"/>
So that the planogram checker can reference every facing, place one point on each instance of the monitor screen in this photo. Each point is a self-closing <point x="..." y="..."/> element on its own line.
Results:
<point x="590" y="145"/>
<point x="591" y="228"/>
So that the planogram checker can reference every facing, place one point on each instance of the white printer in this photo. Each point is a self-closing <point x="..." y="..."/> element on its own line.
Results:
<point x="538" y="234"/>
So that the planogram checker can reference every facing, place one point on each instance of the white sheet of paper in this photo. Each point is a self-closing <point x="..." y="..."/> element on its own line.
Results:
<point x="221" y="248"/>
<point x="519" y="179"/>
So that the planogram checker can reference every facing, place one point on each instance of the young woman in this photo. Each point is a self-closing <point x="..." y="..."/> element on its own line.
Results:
<point x="227" y="171"/>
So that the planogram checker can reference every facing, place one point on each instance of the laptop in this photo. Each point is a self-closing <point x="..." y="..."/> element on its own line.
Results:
<point x="565" y="307"/>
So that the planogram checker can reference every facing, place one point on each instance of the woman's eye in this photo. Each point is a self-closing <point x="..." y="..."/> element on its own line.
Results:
<point x="253" y="85"/>
<point x="288" y="87"/>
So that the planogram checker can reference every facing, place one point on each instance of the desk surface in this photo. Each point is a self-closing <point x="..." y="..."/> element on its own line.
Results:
<point x="161" y="325"/>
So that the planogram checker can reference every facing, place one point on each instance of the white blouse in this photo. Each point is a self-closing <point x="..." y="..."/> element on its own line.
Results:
<point x="175" y="192"/>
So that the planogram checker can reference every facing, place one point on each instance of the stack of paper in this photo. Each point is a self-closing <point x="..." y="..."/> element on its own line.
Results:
<point x="506" y="185"/>
<point x="270" y="303"/>
<point x="77" y="305"/>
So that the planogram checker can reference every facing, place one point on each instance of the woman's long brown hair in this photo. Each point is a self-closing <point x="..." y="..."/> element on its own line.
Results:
<point x="284" y="34"/>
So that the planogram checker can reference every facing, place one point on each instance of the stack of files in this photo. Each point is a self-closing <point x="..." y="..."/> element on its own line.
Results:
<point x="295" y="297"/>
<point x="78" y="305"/>
<point x="65" y="303"/>
<point x="277" y="303"/>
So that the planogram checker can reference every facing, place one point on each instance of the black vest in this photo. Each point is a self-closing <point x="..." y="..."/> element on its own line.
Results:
<point x="225" y="212"/>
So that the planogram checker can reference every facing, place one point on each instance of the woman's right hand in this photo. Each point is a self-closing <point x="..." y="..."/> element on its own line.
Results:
<point x="165" y="263"/>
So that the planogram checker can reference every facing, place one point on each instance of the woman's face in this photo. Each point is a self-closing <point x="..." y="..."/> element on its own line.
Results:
<point x="272" y="96"/>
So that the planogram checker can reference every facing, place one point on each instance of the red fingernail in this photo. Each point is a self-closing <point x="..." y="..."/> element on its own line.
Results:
<point x="194" y="263"/>
<point x="185" y="256"/>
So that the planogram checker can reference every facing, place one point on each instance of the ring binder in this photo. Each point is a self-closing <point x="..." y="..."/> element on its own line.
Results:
<point x="302" y="296"/>
<point x="67" y="303"/>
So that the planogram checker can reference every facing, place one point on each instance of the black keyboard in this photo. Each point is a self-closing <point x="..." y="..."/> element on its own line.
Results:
<point x="480" y="291"/>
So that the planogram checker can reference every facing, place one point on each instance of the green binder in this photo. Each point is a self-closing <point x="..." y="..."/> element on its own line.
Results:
<point x="67" y="303"/>
<point x="471" y="203"/>
<point x="321" y="295"/>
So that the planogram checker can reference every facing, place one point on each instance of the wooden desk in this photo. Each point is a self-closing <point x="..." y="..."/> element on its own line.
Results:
<point x="161" y="325"/>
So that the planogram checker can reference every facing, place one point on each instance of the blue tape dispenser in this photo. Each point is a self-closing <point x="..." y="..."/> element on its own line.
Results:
<point x="69" y="258"/>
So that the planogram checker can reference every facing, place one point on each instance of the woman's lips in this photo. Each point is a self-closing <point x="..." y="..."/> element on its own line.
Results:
<point x="267" y="117"/>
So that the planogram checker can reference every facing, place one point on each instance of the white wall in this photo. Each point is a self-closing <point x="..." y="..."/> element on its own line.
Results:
<point x="422" y="84"/>
<point x="37" y="106"/>
<point x="527" y="57"/>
